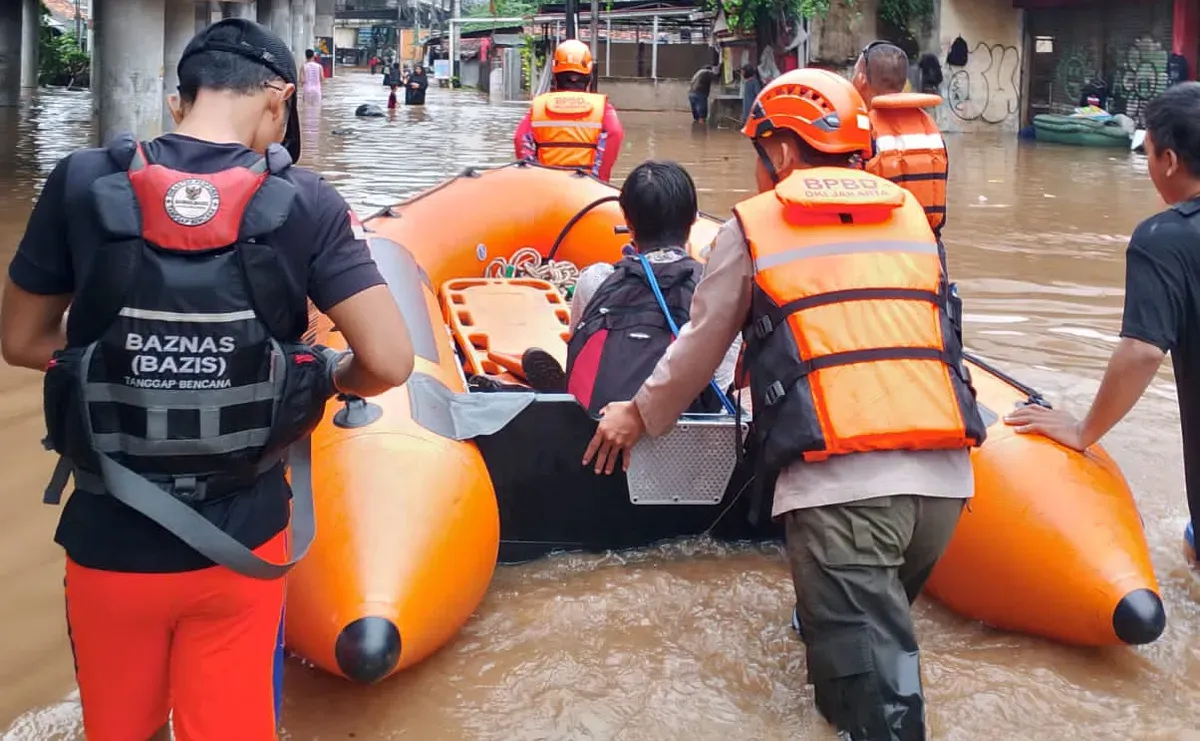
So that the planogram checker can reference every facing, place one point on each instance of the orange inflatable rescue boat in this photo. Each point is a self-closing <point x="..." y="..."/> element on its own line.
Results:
<point x="422" y="490"/>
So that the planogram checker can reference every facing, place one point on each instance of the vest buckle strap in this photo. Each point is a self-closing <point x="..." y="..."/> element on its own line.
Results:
<point x="188" y="489"/>
<point x="774" y="393"/>
<point x="763" y="327"/>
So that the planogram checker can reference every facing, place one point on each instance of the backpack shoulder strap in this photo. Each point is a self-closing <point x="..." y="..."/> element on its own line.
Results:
<point x="123" y="149"/>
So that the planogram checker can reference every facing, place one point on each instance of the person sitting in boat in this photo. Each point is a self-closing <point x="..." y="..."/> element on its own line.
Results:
<point x="618" y="328"/>
<point x="192" y="395"/>
<point x="571" y="127"/>
<point x="864" y="414"/>
<point x="1162" y="298"/>
<point x="908" y="147"/>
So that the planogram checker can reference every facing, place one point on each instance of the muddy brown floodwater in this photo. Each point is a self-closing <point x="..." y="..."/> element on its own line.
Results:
<point x="690" y="640"/>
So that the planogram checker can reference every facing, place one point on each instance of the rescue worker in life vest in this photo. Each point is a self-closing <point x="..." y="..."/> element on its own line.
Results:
<point x="909" y="149"/>
<point x="863" y="411"/>
<point x="570" y="127"/>
<point x="181" y="383"/>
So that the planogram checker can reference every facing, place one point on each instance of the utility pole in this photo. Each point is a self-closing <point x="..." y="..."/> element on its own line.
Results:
<point x="400" y="32"/>
<point x="455" y="30"/>
<point x="595" y="44"/>
<point x="417" y="28"/>
<point x="571" y="9"/>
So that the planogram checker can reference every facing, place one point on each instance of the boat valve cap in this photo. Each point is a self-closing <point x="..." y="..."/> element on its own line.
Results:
<point x="1139" y="617"/>
<point x="368" y="649"/>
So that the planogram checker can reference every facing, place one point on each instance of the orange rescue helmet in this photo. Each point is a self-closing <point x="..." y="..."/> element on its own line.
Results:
<point x="821" y="107"/>
<point x="573" y="55"/>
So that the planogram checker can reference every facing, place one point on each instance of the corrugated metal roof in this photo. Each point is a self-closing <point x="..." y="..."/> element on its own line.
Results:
<point x="63" y="11"/>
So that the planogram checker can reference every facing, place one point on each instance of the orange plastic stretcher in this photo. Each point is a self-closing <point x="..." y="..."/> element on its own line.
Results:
<point x="496" y="319"/>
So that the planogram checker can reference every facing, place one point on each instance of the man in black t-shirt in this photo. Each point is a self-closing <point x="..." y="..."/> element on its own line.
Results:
<point x="156" y="627"/>
<point x="1162" y="296"/>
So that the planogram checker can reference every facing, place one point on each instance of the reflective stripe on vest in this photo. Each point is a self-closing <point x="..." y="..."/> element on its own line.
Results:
<point x="563" y="140"/>
<point x="849" y="347"/>
<point x="574" y="125"/>
<point x="911" y="152"/>
<point x="905" y="142"/>
<point x="178" y="316"/>
<point x="769" y="261"/>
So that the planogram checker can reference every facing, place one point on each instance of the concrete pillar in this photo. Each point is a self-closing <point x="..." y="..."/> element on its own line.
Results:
<point x="179" y="26"/>
<point x="10" y="53"/>
<point x="304" y="13"/>
<point x="31" y="36"/>
<point x="239" y="10"/>
<point x="203" y="15"/>
<point x="323" y="22"/>
<point x="129" y="86"/>
<point x="277" y="15"/>
<point x="310" y="26"/>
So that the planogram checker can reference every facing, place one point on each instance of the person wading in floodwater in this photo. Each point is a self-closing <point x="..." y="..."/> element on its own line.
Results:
<point x="869" y="440"/>
<point x="313" y="77"/>
<point x="698" y="91"/>
<point x="180" y="385"/>
<point x="1162" y="298"/>
<point x="415" y="85"/>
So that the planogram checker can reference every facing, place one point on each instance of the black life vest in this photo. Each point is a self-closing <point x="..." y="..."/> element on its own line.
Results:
<point x="186" y="378"/>
<point x="623" y="333"/>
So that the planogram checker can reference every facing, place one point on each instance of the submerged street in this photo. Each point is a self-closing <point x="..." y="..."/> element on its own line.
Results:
<point x="691" y="639"/>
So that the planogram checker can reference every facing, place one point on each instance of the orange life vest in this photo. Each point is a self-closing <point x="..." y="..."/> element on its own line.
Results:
<point x="910" y="151"/>
<point x="849" y="346"/>
<point x="567" y="126"/>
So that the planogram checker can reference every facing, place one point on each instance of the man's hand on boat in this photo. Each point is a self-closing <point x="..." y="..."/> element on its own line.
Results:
<point x="620" y="428"/>
<point x="1055" y="424"/>
<point x="1130" y="371"/>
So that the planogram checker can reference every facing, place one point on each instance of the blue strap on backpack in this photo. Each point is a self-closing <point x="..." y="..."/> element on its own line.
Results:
<point x="662" y="304"/>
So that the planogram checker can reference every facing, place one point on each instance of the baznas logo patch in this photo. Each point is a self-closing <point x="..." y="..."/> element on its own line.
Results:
<point x="192" y="202"/>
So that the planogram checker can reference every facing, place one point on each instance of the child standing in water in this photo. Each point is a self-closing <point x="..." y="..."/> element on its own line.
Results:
<point x="392" y="99"/>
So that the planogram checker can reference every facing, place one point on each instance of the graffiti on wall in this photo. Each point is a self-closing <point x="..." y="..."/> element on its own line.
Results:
<point x="988" y="88"/>
<point x="1133" y="74"/>
<point x="1141" y="75"/>
<point x="1077" y="66"/>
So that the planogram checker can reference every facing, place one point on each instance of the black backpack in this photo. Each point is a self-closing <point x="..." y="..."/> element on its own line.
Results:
<point x="623" y="333"/>
<point x="957" y="56"/>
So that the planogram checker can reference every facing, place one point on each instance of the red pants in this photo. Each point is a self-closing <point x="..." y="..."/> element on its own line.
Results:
<point x="197" y="647"/>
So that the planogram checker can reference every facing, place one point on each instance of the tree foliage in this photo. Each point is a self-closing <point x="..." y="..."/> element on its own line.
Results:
<point x="903" y="13"/>
<point x="503" y="9"/>
<point x="60" y="60"/>
<point x="750" y="16"/>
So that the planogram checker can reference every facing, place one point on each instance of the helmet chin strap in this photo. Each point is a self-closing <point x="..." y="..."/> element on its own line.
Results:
<point x="857" y="162"/>
<point x="767" y="163"/>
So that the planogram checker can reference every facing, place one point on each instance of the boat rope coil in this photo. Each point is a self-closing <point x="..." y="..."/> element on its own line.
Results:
<point x="529" y="263"/>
